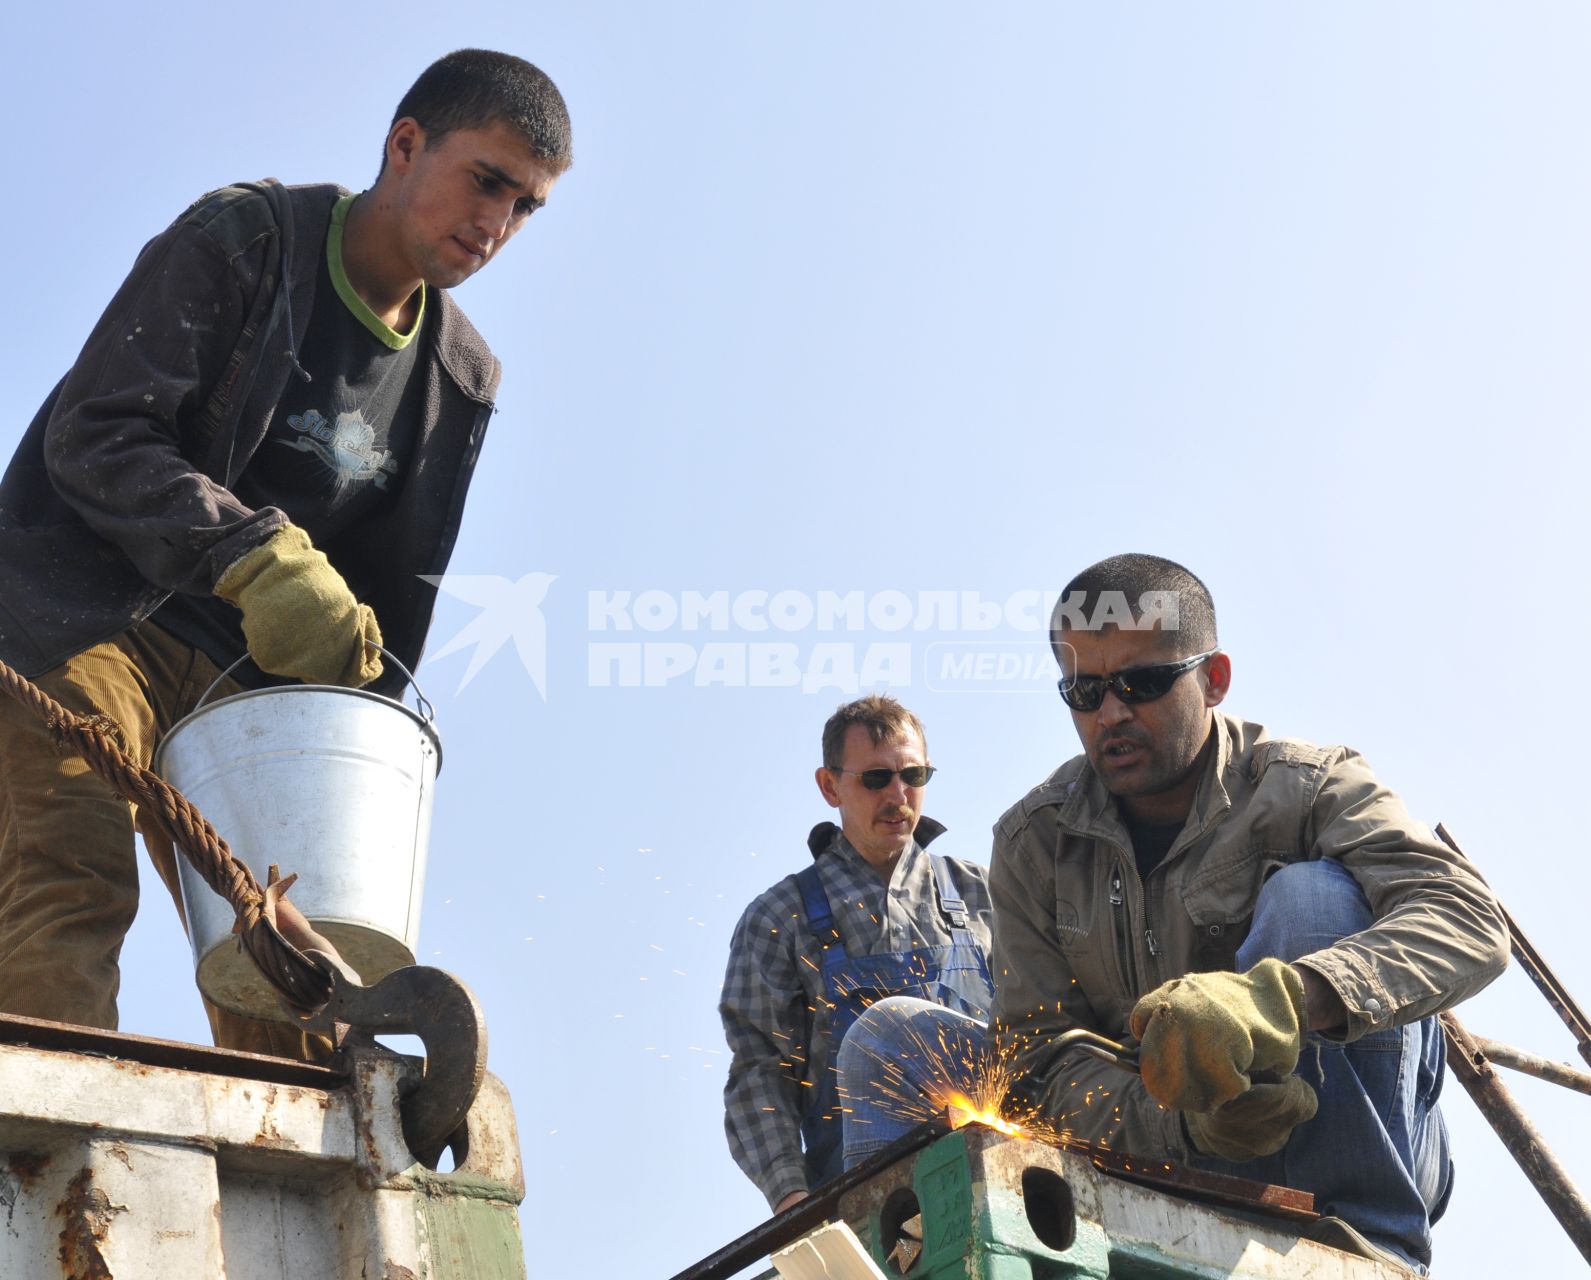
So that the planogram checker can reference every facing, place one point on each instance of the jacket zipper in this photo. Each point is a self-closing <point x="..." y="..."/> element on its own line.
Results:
<point x="1118" y="905"/>
<point x="1151" y="943"/>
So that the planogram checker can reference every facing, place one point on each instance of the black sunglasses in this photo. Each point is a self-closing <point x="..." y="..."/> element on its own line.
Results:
<point x="1136" y="684"/>
<point x="913" y="775"/>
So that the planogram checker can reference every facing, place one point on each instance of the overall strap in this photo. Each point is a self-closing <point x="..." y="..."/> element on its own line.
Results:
<point x="820" y="919"/>
<point x="967" y="988"/>
<point x="950" y="903"/>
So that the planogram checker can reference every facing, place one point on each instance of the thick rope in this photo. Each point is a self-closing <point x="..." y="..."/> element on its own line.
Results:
<point x="101" y="742"/>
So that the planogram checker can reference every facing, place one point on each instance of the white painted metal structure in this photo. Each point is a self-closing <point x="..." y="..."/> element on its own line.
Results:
<point x="115" y="1169"/>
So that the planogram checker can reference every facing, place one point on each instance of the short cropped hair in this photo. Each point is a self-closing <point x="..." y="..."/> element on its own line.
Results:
<point x="1138" y="589"/>
<point x="475" y="88"/>
<point x="884" y="719"/>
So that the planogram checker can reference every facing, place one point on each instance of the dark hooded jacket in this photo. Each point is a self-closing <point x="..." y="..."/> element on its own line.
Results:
<point x="120" y="492"/>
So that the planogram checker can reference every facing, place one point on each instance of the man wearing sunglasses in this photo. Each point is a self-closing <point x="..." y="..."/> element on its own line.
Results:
<point x="874" y="915"/>
<point x="1261" y="915"/>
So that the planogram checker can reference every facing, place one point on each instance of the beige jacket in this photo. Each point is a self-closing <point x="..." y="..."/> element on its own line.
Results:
<point x="1078" y="938"/>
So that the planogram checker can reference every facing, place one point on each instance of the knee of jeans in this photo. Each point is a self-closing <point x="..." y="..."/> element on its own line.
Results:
<point x="1303" y="907"/>
<point x="879" y="1033"/>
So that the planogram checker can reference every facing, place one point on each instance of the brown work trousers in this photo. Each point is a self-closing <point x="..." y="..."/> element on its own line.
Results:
<point x="68" y="862"/>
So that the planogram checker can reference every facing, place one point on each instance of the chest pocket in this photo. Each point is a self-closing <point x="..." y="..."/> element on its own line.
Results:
<point x="1221" y="889"/>
<point x="1219" y="901"/>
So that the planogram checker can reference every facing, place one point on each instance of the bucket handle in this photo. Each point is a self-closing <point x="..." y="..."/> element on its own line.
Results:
<point x="427" y="711"/>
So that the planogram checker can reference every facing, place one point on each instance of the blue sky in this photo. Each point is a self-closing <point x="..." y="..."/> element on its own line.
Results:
<point x="922" y="299"/>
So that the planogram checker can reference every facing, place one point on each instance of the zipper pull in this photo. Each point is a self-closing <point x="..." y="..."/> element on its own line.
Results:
<point x="1149" y="938"/>
<point x="1115" y="889"/>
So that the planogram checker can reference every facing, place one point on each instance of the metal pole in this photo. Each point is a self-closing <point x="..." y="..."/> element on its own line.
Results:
<point x="1549" y="1177"/>
<point x="1530" y="960"/>
<point x="808" y="1214"/>
<point x="1531" y="1064"/>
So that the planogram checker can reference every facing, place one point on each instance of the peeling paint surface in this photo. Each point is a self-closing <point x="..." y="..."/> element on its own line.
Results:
<point x="111" y="1170"/>
<point x="86" y="1214"/>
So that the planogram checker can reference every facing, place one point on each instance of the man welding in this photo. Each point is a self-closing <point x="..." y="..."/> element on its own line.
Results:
<point x="1262" y="914"/>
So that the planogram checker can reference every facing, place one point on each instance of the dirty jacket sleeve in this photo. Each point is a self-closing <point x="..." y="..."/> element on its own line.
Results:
<point x="1439" y="934"/>
<point x="767" y="1022"/>
<point x="1037" y="999"/>
<point x="128" y="419"/>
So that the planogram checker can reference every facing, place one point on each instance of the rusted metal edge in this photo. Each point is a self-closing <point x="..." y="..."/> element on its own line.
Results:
<point x="1532" y="1064"/>
<point x="1513" y="1127"/>
<point x="37" y="1033"/>
<point x="1547" y="982"/>
<point x="1211" y="1188"/>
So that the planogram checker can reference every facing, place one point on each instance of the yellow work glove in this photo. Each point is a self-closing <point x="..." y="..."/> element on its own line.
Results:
<point x="299" y="617"/>
<point x="1253" y="1124"/>
<point x="1205" y="1034"/>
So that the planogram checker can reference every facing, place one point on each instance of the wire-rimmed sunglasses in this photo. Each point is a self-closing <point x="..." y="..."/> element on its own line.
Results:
<point x="913" y="775"/>
<point x="1136" y="684"/>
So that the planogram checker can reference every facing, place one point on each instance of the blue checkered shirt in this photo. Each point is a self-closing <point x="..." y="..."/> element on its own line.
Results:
<point x="775" y="1023"/>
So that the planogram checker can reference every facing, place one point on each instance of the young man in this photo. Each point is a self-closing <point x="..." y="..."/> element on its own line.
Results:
<point x="873" y="916"/>
<point x="1261" y="913"/>
<point x="263" y="446"/>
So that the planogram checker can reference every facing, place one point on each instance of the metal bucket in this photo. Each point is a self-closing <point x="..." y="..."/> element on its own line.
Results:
<point x="335" y="784"/>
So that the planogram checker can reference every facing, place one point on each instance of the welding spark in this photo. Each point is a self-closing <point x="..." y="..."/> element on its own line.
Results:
<point x="961" y="1112"/>
<point x="945" y="1073"/>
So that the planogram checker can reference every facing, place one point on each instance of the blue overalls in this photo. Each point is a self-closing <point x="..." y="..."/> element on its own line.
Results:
<point x="956" y="975"/>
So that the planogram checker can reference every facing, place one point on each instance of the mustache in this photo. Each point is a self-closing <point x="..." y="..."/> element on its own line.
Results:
<point x="1134" y="736"/>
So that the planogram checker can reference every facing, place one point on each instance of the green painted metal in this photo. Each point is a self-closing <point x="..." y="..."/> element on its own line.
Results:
<point x="943" y="1184"/>
<point x="470" y="1238"/>
<point x="997" y="1208"/>
<point x="975" y="1229"/>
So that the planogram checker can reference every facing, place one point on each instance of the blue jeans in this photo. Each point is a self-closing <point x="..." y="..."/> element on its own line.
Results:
<point x="1375" y="1154"/>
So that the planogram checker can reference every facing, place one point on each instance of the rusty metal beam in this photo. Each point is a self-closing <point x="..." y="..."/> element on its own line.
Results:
<point x="1564" y="1004"/>
<point x="1531" y="1064"/>
<point x="1551" y="1180"/>
<point x="789" y="1226"/>
<point x="40" y="1034"/>
<point x="1196" y="1184"/>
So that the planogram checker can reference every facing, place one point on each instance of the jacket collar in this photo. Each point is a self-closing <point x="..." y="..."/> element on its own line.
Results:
<point x="825" y="833"/>
<point x="1091" y="810"/>
<point x="303" y="214"/>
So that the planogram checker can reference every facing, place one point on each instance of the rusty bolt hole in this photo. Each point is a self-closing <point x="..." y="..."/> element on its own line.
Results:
<point x="901" y="1230"/>
<point x="1051" y="1213"/>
